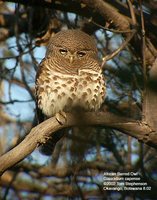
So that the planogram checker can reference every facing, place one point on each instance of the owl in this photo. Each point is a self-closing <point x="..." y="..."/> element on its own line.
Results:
<point x="69" y="77"/>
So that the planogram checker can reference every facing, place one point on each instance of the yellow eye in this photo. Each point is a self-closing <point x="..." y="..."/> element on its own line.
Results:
<point x="81" y="53"/>
<point x="63" y="51"/>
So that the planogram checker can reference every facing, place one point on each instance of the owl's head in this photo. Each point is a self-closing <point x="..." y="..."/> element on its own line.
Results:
<point x="72" y="46"/>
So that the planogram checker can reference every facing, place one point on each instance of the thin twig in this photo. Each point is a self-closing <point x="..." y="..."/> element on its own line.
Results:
<point x="143" y="61"/>
<point x="124" y="44"/>
<point x="109" y="29"/>
<point x="134" y="21"/>
<point x="15" y="101"/>
<point x="132" y="12"/>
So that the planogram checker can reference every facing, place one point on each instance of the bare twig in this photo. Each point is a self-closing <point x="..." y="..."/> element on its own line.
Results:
<point x="124" y="44"/>
<point x="143" y="61"/>
<point x="15" y="101"/>
<point x="132" y="12"/>
<point x="109" y="29"/>
<point x="134" y="21"/>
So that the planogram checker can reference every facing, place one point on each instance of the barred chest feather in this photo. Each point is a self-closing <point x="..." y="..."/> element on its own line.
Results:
<point x="60" y="92"/>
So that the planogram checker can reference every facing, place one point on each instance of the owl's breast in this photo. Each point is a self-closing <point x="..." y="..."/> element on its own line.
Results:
<point x="58" y="92"/>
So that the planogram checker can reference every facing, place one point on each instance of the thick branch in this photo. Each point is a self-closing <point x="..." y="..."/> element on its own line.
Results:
<point x="42" y="132"/>
<point x="109" y="13"/>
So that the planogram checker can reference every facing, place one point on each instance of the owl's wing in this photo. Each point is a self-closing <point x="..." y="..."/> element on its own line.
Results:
<point x="48" y="147"/>
<point x="39" y="115"/>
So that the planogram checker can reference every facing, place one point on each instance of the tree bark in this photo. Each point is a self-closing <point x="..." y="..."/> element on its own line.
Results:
<point x="41" y="133"/>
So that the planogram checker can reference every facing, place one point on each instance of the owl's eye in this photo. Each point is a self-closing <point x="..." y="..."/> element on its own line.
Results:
<point x="63" y="51"/>
<point x="81" y="53"/>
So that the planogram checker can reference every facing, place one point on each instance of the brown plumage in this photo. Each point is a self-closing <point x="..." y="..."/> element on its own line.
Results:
<point x="69" y="76"/>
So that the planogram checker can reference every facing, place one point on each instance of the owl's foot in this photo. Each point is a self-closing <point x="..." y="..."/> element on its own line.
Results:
<point x="43" y="140"/>
<point x="61" y="117"/>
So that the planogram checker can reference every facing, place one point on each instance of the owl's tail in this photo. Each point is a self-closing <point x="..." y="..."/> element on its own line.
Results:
<point x="48" y="148"/>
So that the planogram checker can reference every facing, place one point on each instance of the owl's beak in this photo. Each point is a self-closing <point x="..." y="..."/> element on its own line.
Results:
<point x="71" y="59"/>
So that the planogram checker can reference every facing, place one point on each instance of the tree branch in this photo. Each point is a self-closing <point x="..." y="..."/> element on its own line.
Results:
<point x="41" y="133"/>
<point x="109" y="13"/>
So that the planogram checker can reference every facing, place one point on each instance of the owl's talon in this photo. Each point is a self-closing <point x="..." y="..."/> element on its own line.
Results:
<point x="61" y="117"/>
<point x="43" y="140"/>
